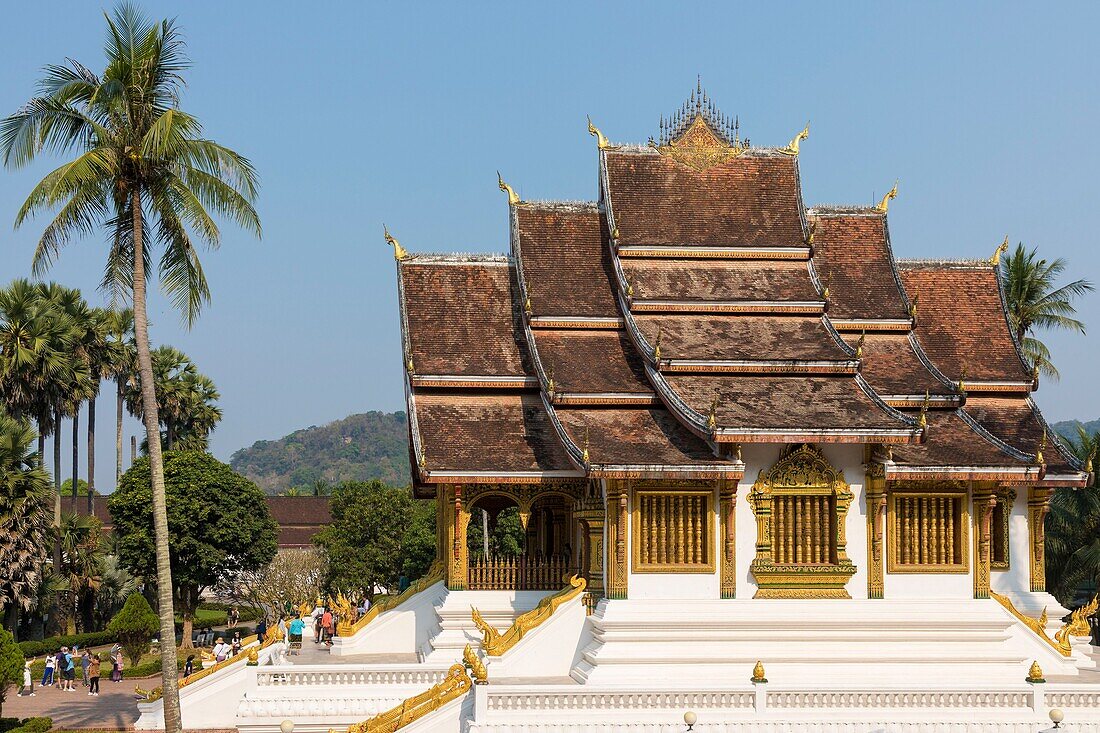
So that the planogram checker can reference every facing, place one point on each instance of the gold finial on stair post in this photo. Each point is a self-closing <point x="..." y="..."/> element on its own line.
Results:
<point x="1035" y="674"/>
<point x="758" y="674"/>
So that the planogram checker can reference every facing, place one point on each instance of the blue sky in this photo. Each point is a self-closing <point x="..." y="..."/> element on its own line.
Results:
<point x="357" y="115"/>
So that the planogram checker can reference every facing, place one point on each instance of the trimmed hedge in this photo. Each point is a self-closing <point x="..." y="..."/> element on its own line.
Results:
<point x="26" y="725"/>
<point x="54" y="643"/>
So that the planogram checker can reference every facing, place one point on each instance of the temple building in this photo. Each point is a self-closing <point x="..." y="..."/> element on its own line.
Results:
<point x="757" y="475"/>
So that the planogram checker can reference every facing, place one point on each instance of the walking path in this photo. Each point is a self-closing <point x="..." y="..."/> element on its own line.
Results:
<point x="115" y="708"/>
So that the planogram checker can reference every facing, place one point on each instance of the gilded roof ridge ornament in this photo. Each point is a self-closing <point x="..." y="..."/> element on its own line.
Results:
<point x="922" y="421"/>
<point x="584" y="454"/>
<point x="513" y="197"/>
<point x="859" y="343"/>
<point x="812" y="232"/>
<point x="712" y="416"/>
<point x="550" y="381"/>
<point x="602" y="142"/>
<point x="913" y="306"/>
<point x="1039" y="458"/>
<point x="527" y="299"/>
<point x="884" y="204"/>
<point x="995" y="260"/>
<point x="399" y="252"/>
<point x="657" y="344"/>
<point x="792" y="146"/>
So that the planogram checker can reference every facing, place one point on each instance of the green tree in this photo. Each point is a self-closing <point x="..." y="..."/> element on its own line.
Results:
<point x="81" y="568"/>
<point x="218" y="522"/>
<point x="26" y="504"/>
<point x="11" y="665"/>
<point x="1073" y="531"/>
<point x="186" y="400"/>
<point x="67" y="487"/>
<point x="1036" y="302"/>
<point x="142" y="166"/>
<point x="135" y="626"/>
<point x="370" y="535"/>
<point x="419" y="541"/>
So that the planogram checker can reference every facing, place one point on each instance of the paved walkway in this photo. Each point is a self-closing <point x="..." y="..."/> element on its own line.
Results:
<point x="115" y="708"/>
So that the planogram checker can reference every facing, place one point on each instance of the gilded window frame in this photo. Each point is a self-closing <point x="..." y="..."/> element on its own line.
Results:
<point x="1006" y="499"/>
<point x="705" y="568"/>
<point x="962" y="530"/>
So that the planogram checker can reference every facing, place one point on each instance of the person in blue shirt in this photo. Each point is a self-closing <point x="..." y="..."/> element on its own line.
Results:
<point x="297" y="626"/>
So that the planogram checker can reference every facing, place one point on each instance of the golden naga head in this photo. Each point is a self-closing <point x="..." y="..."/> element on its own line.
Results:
<point x="995" y="260"/>
<point x="884" y="204"/>
<point x="399" y="253"/>
<point x="513" y="197"/>
<point x="792" y="146"/>
<point x="601" y="140"/>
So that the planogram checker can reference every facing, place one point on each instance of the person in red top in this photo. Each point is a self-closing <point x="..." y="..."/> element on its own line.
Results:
<point x="326" y="626"/>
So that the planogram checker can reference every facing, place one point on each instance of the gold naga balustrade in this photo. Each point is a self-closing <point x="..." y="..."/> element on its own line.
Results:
<point x="1078" y="624"/>
<point x="247" y="653"/>
<point x="435" y="574"/>
<point x="495" y="643"/>
<point x="456" y="684"/>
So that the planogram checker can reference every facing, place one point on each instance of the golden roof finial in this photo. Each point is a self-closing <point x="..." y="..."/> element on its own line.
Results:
<point x="1035" y="674"/>
<point x="550" y="381"/>
<point x="712" y="417"/>
<point x="859" y="344"/>
<point x="1039" y="451"/>
<point x="615" y="233"/>
<point x="657" y="345"/>
<point x="758" y="673"/>
<point x="629" y="290"/>
<point x="601" y="140"/>
<point x="409" y="362"/>
<point x="825" y="293"/>
<point x="399" y="252"/>
<point x="813" y="230"/>
<point x="513" y="197"/>
<point x="913" y="306"/>
<point x="792" y="146"/>
<point x="923" y="421"/>
<point x="584" y="455"/>
<point x="885" y="203"/>
<point x="995" y="260"/>
<point x="961" y="388"/>
<point x="527" y="299"/>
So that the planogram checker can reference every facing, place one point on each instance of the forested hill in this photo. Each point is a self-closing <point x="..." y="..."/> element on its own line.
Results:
<point x="357" y="448"/>
<point x="1068" y="428"/>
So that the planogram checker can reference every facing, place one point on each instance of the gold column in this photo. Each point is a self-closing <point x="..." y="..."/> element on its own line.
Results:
<point x="590" y="514"/>
<point x="727" y="503"/>
<point x="876" y="511"/>
<point x="983" y="517"/>
<point x="460" y="559"/>
<point x="1038" y="505"/>
<point x="616" y="537"/>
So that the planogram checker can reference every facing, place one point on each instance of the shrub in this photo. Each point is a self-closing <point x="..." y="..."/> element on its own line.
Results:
<point x="53" y="643"/>
<point x="11" y="664"/>
<point x="134" y="627"/>
<point x="33" y="725"/>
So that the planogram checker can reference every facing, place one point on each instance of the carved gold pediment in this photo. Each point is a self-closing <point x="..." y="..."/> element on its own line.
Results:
<point x="700" y="148"/>
<point x="803" y="467"/>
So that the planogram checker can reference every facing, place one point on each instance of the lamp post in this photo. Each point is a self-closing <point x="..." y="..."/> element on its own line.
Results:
<point x="1056" y="717"/>
<point x="690" y="718"/>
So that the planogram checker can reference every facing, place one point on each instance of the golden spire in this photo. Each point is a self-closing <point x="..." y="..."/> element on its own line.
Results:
<point x="657" y="345"/>
<point x="758" y="673"/>
<point x="1039" y="451"/>
<point x="1001" y="249"/>
<point x="601" y="140"/>
<point x="1035" y="674"/>
<point x="792" y="146"/>
<point x="859" y="344"/>
<point x="885" y="203"/>
<point x="923" y="421"/>
<point x="712" y="418"/>
<point x="584" y="456"/>
<point x="399" y="252"/>
<point x="513" y="197"/>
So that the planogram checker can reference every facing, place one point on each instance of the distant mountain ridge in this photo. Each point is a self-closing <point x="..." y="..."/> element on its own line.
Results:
<point x="358" y="448"/>
<point x="1068" y="428"/>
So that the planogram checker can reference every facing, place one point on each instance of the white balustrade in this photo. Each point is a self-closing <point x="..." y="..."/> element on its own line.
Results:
<point x="339" y="676"/>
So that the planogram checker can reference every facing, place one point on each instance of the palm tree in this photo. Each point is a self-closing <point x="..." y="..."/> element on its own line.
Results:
<point x="101" y="352"/>
<point x="185" y="400"/>
<point x="80" y="564"/>
<point x="141" y="165"/>
<point x="1034" y="302"/>
<point x="1073" y="530"/>
<point x="26" y="499"/>
<point x="123" y="358"/>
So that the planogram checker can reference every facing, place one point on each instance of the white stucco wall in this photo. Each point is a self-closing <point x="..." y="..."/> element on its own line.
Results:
<point x="1017" y="579"/>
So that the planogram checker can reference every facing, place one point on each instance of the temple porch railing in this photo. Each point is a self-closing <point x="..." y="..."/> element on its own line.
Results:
<point x="518" y="572"/>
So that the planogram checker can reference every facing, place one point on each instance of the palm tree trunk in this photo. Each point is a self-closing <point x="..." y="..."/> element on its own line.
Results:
<point x="91" y="455"/>
<point x="168" y="660"/>
<point x="118" y="431"/>
<point x="76" y="456"/>
<point x="57" y="458"/>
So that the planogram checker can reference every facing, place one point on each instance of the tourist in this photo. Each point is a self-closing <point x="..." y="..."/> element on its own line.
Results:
<point x="297" y="626"/>
<point x="261" y="629"/>
<point x="93" y="675"/>
<point x="326" y="626"/>
<point x="234" y="616"/>
<point x="28" y="681"/>
<point x="221" y="650"/>
<point x="119" y="666"/>
<point x="189" y="666"/>
<point x="68" y="670"/>
<point x="316" y="615"/>
<point x="235" y="645"/>
<point x="47" y="673"/>
<point x="85" y="663"/>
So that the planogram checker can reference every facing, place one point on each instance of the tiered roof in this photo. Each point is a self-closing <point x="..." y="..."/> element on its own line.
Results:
<point x="699" y="306"/>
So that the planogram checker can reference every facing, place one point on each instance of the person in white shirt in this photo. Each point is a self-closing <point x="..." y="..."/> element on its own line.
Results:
<point x="221" y="650"/>
<point x="315" y="622"/>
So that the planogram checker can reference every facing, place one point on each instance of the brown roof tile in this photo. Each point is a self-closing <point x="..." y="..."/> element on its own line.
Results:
<point x="566" y="262"/>
<point x="635" y="437"/>
<point x="300" y="510"/>
<point x="462" y="319"/>
<point x="487" y="432"/>
<point x="891" y="366"/>
<point x="586" y="362"/>
<point x="783" y="402"/>
<point x="741" y="337"/>
<point x="752" y="200"/>
<point x="725" y="280"/>
<point x="1017" y="421"/>
<point x="961" y="322"/>
<point x="951" y="442"/>
<point x="852" y="259"/>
